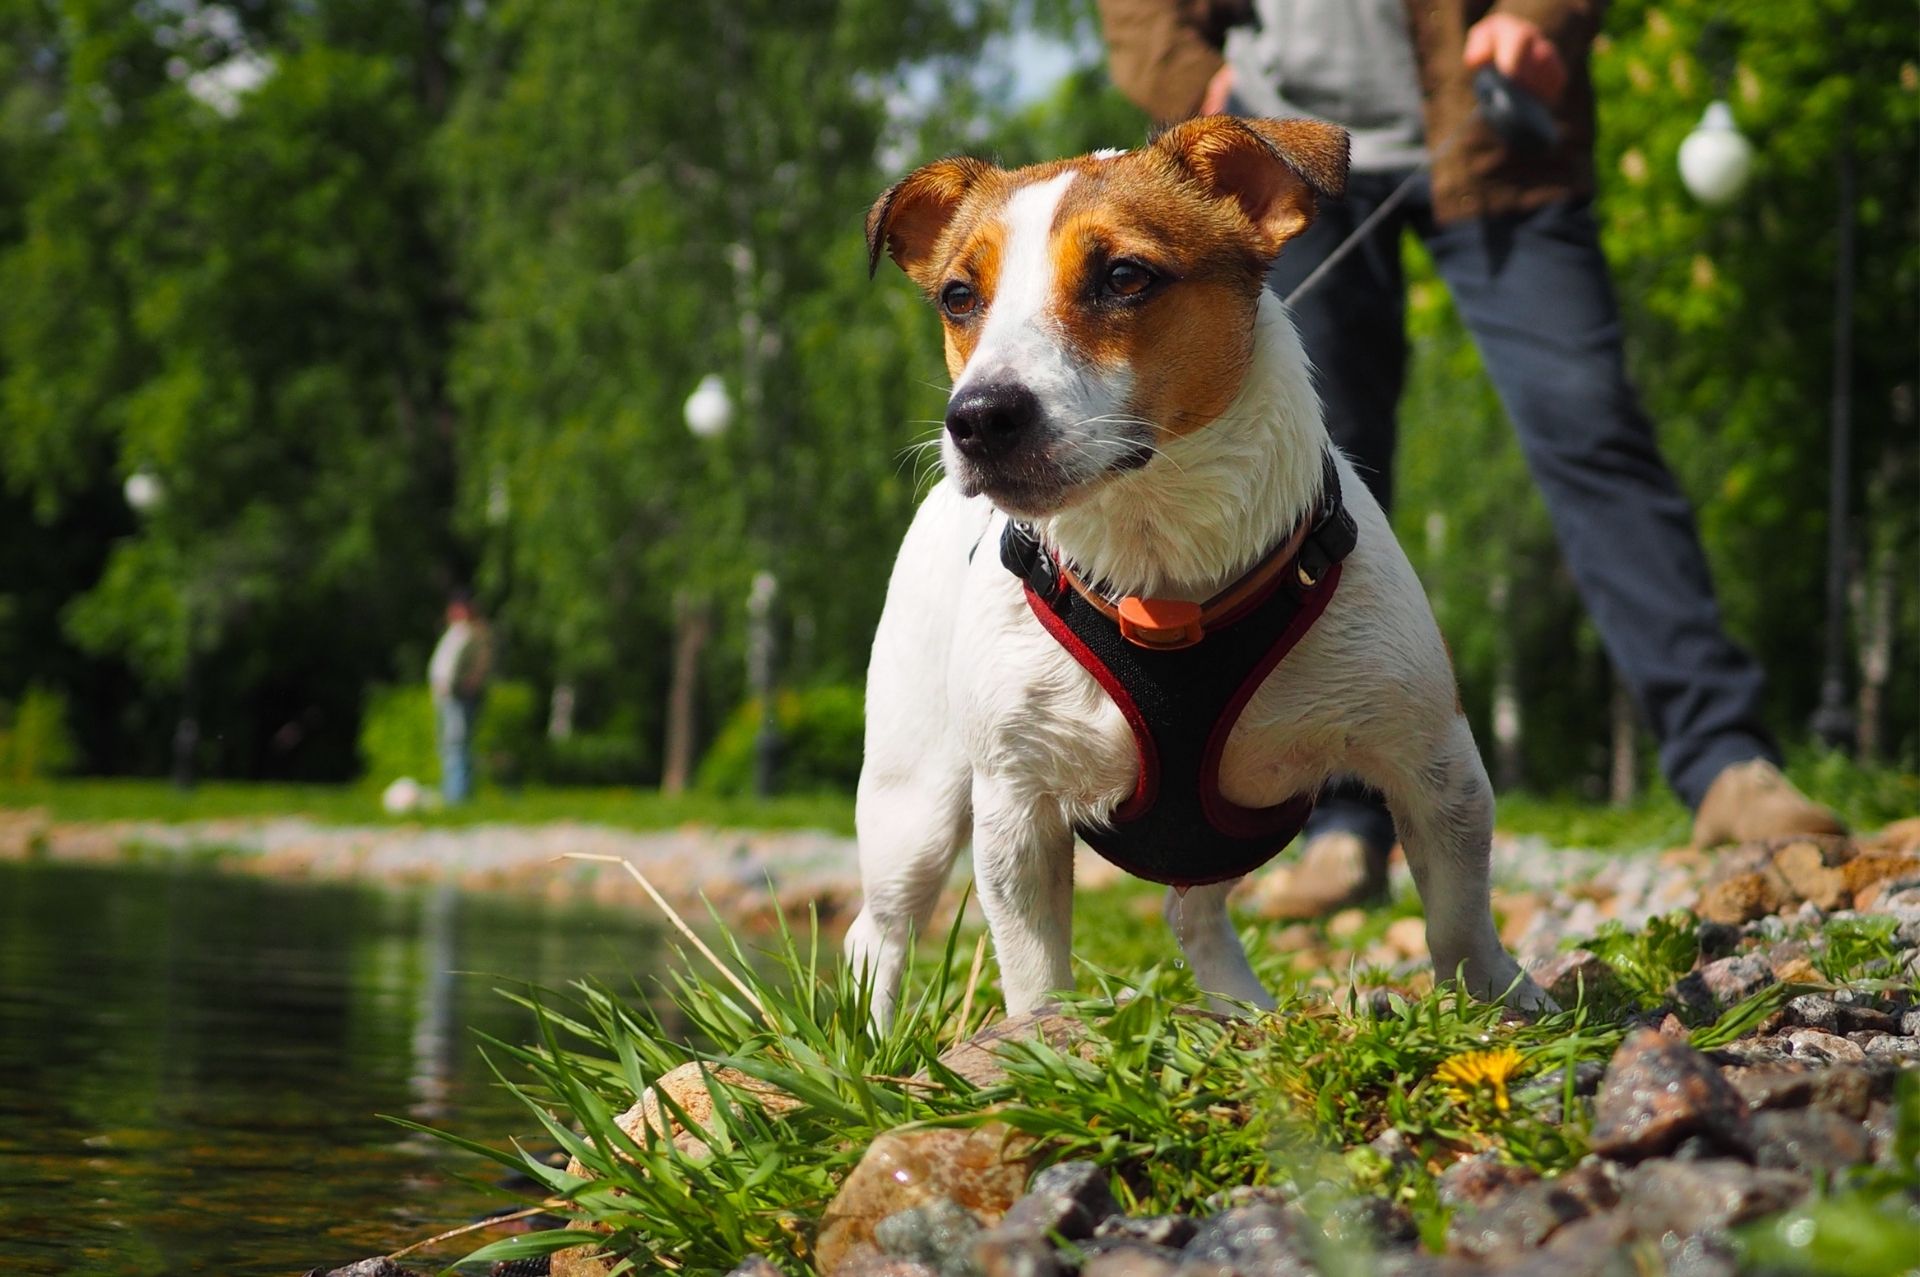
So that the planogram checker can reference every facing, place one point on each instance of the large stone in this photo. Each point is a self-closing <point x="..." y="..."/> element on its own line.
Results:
<point x="1477" y="1180"/>
<point x="1567" y="977"/>
<point x="1841" y="1089"/>
<point x="1137" y="1260"/>
<point x="1658" y="1092"/>
<point x="1812" y="1044"/>
<point x="938" y="1233"/>
<point x="1684" y="1198"/>
<point x="1807" y="873"/>
<point x="1809" y="1139"/>
<point x="1744" y="897"/>
<point x="978" y="1059"/>
<point x="1722" y="984"/>
<point x="1258" y="1240"/>
<point x="1523" y="1218"/>
<point x="1170" y="1231"/>
<point x="1070" y="1199"/>
<point x="982" y="1169"/>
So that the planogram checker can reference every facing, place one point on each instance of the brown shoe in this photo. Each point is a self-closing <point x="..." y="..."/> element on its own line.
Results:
<point x="1335" y="871"/>
<point x="1752" y="801"/>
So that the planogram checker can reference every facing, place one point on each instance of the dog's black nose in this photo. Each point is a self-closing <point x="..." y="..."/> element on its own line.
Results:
<point x="986" y="421"/>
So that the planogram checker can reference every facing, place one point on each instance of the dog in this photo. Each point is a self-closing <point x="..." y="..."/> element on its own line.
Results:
<point x="1130" y="399"/>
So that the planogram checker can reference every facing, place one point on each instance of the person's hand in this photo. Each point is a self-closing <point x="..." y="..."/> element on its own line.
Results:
<point x="1518" y="50"/>
<point x="1214" y="100"/>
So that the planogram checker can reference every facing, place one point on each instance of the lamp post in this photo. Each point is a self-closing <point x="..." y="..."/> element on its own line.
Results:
<point x="1715" y="162"/>
<point x="145" y="494"/>
<point x="709" y="414"/>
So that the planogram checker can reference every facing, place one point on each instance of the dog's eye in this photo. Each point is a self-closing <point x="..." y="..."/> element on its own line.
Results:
<point x="1128" y="279"/>
<point x="958" y="299"/>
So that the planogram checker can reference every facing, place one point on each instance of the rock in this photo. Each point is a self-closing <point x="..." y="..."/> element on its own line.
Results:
<point x="1744" y="897"/>
<point x="1408" y="937"/>
<point x="1260" y="1240"/>
<point x="1656" y="1093"/>
<point x="1871" y="877"/>
<point x="1171" y="1231"/>
<point x="978" y="1058"/>
<point x="1910" y="1024"/>
<point x="865" y="1260"/>
<point x="1716" y="939"/>
<point x="1393" y="1146"/>
<point x="1477" y="1180"/>
<point x="1809" y="1139"/>
<point x="939" y="1233"/>
<point x="755" y="1266"/>
<point x="378" y="1266"/>
<point x="1902" y="836"/>
<point x="1805" y="869"/>
<point x="1812" y="1044"/>
<point x="1071" y="1199"/>
<point x="1663" y="1197"/>
<point x="1842" y="1089"/>
<point x="982" y="1169"/>
<point x="1003" y="1254"/>
<point x="1829" y="1015"/>
<point x="1565" y="976"/>
<point x="1595" y="1246"/>
<point x="1544" y="1094"/>
<point x="1887" y="1046"/>
<point x="1346" y="924"/>
<point x="1366" y="1224"/>
<point x="1132" y="1261"/>
<point x="1514" y="1222"/>
<point x="1723" y="983"/>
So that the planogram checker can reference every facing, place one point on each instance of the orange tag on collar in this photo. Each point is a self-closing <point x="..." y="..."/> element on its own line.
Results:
<point x="1162" y="623"/>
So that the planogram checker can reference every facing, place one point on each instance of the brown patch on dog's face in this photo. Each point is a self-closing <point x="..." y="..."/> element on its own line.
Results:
<point x="1119" y="291"/>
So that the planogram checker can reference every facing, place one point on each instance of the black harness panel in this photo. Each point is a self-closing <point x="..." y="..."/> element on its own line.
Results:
<point x="1182" y="703"/>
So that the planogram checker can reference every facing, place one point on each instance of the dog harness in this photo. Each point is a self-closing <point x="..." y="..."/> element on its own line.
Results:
<point x="1181" y="673"/>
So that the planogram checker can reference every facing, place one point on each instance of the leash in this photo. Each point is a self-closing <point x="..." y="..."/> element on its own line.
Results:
<point x="1522" y="121"/>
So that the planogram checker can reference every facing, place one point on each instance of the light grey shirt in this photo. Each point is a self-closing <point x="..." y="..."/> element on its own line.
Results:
<point x="1349" y="62"/>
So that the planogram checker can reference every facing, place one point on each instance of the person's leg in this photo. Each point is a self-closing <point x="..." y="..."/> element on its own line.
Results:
<point x="1535" y="291"/>
<point x="455" y="724"/>
<point x="1352" y="325"/>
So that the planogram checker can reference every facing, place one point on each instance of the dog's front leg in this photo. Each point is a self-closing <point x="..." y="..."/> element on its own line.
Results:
<point x="1023" y="869"/>
<point x="1218" y="960"/>
<point x="1445" y="813"/>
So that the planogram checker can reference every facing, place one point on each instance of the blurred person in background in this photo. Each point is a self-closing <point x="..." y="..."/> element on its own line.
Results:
<point x="1511" y="232"/>
<point x="457" y="674"/>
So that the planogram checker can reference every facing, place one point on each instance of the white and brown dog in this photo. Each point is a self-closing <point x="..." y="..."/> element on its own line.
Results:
<point x="1125" y="387"/>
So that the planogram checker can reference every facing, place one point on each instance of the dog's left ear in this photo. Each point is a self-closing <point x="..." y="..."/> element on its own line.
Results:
<point x="1271" y="169"/>
<point x="908" y="219"/>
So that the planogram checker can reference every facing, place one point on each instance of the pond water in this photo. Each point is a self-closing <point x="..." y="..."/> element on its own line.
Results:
<point x="194" y="1065"/>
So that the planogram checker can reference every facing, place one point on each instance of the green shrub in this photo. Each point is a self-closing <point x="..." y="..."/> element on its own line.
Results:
<point x="397" y="734"/>
<point x="614" y="757"/>
<point x="820" y="738"/>
<point x="34" y="738"/>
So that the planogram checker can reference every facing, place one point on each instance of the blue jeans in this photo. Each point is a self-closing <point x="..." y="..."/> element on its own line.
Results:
<point x="454" y="719"/>
<point x="1534" y="290"/>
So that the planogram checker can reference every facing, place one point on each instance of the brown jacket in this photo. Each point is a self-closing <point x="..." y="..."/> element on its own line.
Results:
<point x="1163" y="52"/>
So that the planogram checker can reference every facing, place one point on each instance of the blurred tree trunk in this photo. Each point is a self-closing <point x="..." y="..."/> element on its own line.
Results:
<point x="1507" y="743"/>
<point x="1873" y="605"/>
<point x="692" y="627"/>
<point x="1623" y="779"/>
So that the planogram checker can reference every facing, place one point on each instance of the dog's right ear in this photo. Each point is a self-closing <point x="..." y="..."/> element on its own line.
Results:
<point x="910" y="216"/>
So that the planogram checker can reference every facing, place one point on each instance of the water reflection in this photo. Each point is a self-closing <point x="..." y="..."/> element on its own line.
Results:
<point x="192" y="1064"/>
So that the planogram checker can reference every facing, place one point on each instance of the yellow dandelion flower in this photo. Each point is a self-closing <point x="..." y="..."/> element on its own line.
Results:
<point x="1464" y="1074"/>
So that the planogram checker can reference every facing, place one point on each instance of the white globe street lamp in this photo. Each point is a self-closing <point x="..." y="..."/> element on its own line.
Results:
<point x="143" y="491"/>
<point x="1716" y="159"/>
<point x="709" y="408"/>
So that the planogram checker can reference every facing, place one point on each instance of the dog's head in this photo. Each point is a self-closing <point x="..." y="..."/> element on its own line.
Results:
<point x="1096" y="308"/>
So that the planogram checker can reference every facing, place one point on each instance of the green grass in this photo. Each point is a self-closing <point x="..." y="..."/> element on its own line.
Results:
<point x="155" y="800"/>
<point x="1176" y="1103"/>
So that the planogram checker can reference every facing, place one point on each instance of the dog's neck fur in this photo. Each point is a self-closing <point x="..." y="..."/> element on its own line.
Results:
<point x="1214" y="501"/>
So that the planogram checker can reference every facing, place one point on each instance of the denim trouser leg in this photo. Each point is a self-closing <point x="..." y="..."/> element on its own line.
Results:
<point x="1535" y="292"/>
<point x="454" y="715"/>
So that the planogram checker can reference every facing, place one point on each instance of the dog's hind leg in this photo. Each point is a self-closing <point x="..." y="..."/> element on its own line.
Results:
<point x="1444" y="808"/>
<point x="1218" y="960"/>
<point x="910" y="826"/>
